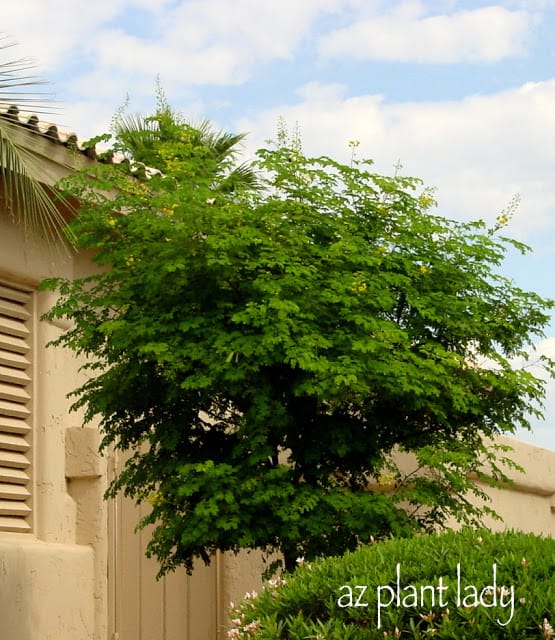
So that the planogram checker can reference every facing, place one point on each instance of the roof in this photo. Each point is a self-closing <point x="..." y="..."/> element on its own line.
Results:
<point x="58" y="154"/>
<point x="51" y="133"/>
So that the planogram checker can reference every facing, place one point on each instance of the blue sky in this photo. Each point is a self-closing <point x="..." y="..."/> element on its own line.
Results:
<point x="460" y="92"/>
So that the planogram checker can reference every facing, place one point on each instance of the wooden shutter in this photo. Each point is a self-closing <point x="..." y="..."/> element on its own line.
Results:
<point x="15" y="408"/>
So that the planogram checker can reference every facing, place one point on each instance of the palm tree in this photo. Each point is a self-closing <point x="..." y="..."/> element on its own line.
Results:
<point x="139" y="138"/>
<point x="25" y="197"/>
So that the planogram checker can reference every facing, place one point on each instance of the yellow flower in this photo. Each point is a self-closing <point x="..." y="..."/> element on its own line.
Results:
<point x="426" y="201"/>
<point x="112" y="222"/>
<point x="385" y="480"/>
<point x="359" y="287"/>
<point x="156" y="499"/>
<point x="424" y="269"/>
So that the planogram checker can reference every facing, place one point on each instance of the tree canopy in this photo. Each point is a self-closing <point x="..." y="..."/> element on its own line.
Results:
<point x="260" y="352"/>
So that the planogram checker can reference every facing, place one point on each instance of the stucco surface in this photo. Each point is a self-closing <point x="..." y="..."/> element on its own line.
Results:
<point x="46" y="590"/>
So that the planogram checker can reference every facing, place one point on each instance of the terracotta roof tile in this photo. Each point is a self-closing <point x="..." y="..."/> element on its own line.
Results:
<point x="51" y="133"/>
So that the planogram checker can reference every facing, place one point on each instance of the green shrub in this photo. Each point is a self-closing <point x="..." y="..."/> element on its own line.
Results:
<point x="466" y="584"/>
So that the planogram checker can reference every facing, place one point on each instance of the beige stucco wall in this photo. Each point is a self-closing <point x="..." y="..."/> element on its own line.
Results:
<point x="53" y="583"/>
<point x="529" y="503"/>
<point x="46" y="589"/>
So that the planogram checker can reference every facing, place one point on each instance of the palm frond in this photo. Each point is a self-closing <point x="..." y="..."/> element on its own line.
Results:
<point x="26" y="198"/>
<point x="139" y="135"/>
<point x="223" y="144"/>
<point x="242" y="176"/>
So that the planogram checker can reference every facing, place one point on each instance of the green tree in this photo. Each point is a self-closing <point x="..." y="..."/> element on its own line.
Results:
<point x="141" y="138"/>
<point x="261" y="353"/>
<point x="25" y="197"/>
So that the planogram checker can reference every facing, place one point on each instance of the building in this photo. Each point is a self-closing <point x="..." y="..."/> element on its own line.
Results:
<point x="71" y="566"/>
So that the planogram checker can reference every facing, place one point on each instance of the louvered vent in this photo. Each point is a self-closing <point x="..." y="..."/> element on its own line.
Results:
<point x="15" y="408"/>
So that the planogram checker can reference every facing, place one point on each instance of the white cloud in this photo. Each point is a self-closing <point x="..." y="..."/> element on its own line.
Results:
<point x="87" y="119"/>
<point x="546" y="347"/>
<point x="188" y="43"/>
<point x="218" y="42"/>
<point x="208" y="41"/>
<point x="262" y="30"/>
<point x="120" y="53"/>
<point x="49" y="31"/>
<point x="488" y="34"/>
